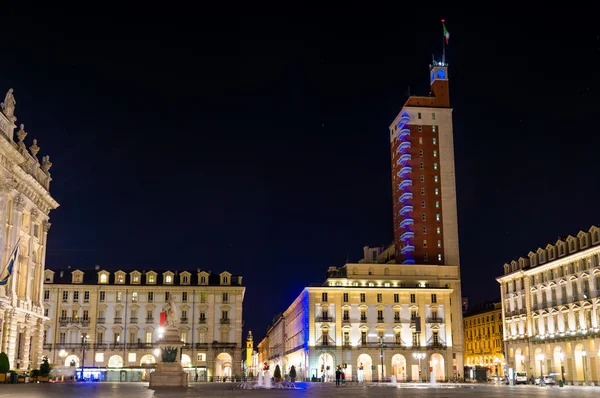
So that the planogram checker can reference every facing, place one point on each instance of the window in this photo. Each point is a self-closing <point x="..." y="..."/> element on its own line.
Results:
<point x="439" y="230"/>
<point x="167" y="295"/>
<point x="419" y="115"/>
<point x="421" y="167"/>
<point x="379" y="297"/>
<point x="422" y="203"/>
<point x="75" y="296"/>
<point x="324" y="297"/>
<point x="439" y="257"/>
<point x="436" y="179"/>
<point x="185" y="279"/>
<point x="422" y="191"/>
<point x="148" y="337"/>
<point x="86" y="296"/>
<point x="424" y="242"/>
<point x="435" y="154"/>
<point x="136" y="278"/>
<point x="422" y="178"/>
<point x="439" y="244"/>
<point x="434" y="300"/>
<point x="423" y="216"/>
<point x="119" y="296"/>
<point x="184" y="315"/>
<point x="203" y="280"/>
<point x="437" y="204"/>
<point x="184" y="297"/>
<point x="202" y="317"/>
<point x="150" y="297"/>
<point x="120" y="278"/>
<point x="345" y="297"/>
<point x="420" y="140"/>
<point x="434" y="138"/>
<point x="151" y="278"/>
<point x="437" y="191"/>
<point x="224" y="314"/>
<point x="413" y="298"/>
<point x="65" y="295"/>
<point x="425" y="258"/>
<point x="346" y="315"/>
<point x="415" y="340"/>
<point x="396" y="298"/>
<point x="149" y="315"/>
<point x="134" y="297"/>
<point x="225" y="297"/>
<point x="433" y="116"/>
<point x="46" y="295"/>
<point x="435" y="167"/>
<point x="421" y="153"/>
<point x="46" y="311"/>
<point x="103" y="278"/>
<point x="437" y="217"/>
<point x="380" y="315"/>
<point x="168" y="279"/>
<point x="363" y="297"/>
<point x="132" y="339"/>
<point x="201" y="357"/>
<point x="203" y="297"/>
<point x="424" y="230"/>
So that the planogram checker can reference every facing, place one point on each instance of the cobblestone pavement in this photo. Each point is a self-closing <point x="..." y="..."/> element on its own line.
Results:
<point x="141" y="390"/>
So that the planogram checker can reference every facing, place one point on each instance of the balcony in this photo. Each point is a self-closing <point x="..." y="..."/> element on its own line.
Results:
<point x="325" y="341"/>
<point x="407" y="235"/>
<point x="184" y="320"/>
<point x="101" y="320"/>
<point x="405" y="197"/>
<point x="118" y="320"/>
<point x="436" y="345"/>
<point x="404" y="172"/>
<point x="408" y="249"/>
<point x="363" y="319"/>
<point x="133" y="320"/>
<point x="405" y="210"/>
<point x="325" y="319"/>
<point x="202" y="320"/>
<point x="404" y="134"/>
<point x="224" y="346"/>
<point x="380" y="320"/>
<point x="201" y="346"/>
<point x="149" y="320"/>
<point x="397" y="319"/>
<point x="405" y="184"/>
<point x="404" y="118"/>
<point x="85" y="322"/>
<point x="346" y="320"/>
<point x="47" y="347"/>
<point x="406" y="222"/>
<point x="404" y="159"/>
<point x="435" y="320"/>
<point x="404" y="146"/>
<point x="224" y="321"/>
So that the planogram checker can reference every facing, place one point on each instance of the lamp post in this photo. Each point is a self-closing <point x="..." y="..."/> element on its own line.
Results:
<point x="496" y="365"/>
<point x="381" y="358"/>
<point x="419" y="356"/>
<point x="540" y="357"/>
<point x="562" y="366"/>
<point x="584" y="355"/>
<point x="84" y="338"/>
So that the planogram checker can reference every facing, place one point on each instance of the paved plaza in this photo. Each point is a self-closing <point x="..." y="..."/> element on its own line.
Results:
<point x="140" y="390"/>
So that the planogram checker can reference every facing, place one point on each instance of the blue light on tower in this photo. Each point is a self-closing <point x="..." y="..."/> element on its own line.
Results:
<point x="441" y="74"/>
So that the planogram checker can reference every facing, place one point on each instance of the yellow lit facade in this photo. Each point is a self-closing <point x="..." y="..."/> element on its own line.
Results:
<point x="484" y="341"/>
<point x="551" y="308"/>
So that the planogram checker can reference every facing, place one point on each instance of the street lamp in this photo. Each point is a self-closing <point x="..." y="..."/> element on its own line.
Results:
<point x="584" y="355"/>
<point x="381" y="358"/>
<point x="419" y="356"/>
<point x="540" y="357"/>
<point x="562" y="366"/>
<point x="496" y="365"/>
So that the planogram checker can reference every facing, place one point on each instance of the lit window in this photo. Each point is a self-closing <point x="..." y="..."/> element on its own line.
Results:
<point x="437" y="217"/>
<point x="437" y="204"/>
<point x="150" y="278"/>
<point x="422" y="178"/>
<point x="421" y="166"/>
<point x="435" y="166"/>
<point x="423" y="216"/>
<point x="434" y="129"/>
<point x="437" y="191"/>
<point x="425" y="242"/>
<point x="424" y="230"/>
<point x="435" y="154"/>
<point x="422" y="203"/>
<point x="420" y="140"/>
<point x="99" y="357"/>
<point x="433" y="116"/>
<point x="439" y="257"/>
<point x="421" y="153"/>
<point x="420" y="128"/>
<point x="103" y="278"/>
<point x="439" y="244"/>
<point x="435" y="178"/>
<point x="434" y="139"/>
<point x="168" y="279"/>
<point x="439" y="230"/>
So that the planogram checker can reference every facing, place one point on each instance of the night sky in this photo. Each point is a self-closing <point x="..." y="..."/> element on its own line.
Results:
<point x="257" y="143"/>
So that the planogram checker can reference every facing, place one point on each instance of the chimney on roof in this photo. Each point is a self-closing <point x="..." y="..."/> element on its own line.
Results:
<point x="197" y="269"/>
<point x="62" y="273"/>
<point x="97" y="267"/>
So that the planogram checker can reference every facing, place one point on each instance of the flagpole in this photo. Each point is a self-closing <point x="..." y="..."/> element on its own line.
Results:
<point x="12" y="252"/>
<point x="443" y="46"/>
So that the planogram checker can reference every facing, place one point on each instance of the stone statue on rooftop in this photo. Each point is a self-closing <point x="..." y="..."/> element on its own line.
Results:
<point x="8" y="106"/>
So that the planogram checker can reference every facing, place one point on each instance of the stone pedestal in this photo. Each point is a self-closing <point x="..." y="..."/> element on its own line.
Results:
<point x="168" y="375"/>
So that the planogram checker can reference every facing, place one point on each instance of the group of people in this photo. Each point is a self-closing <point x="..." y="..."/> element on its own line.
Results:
<point x="340" y="376"/>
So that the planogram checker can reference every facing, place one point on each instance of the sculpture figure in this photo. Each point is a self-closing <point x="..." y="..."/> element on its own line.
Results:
<point x="8" y="106"/>
<point x="171" y="311"/>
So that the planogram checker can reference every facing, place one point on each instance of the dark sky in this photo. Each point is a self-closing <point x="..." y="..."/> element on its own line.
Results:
<point x="257" y="142"/>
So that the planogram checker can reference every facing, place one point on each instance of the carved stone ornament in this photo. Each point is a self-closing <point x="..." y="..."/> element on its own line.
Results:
<point x="47" y="226"/>
<point x="21" y="134"/>
<point x="8" y="106"/>
<point x="7" y="184"/>
<point x="46" y="164"/>
<point x="34" y="214"/>
<point x="20" y="202"/>
<point x="34" y="149"/>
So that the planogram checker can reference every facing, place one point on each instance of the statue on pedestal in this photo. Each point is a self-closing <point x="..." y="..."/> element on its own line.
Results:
<point x="8" y="106"/>
<point x="171" y="311"/>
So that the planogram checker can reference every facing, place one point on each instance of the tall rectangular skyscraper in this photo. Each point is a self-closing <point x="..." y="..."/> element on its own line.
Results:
<point x="423" y="180"/>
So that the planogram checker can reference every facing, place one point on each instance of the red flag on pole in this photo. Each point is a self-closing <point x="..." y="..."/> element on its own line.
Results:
<point x="163" y="319"/>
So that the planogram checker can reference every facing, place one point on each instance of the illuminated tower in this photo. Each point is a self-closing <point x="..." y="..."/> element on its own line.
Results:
<point x="423" y="182"/>
<point x="249" y="350"/>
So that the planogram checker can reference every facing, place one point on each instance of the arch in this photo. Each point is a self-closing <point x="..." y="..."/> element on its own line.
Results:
<point x="579" y="358"/>
<point x="558" y="358"/>
<point x="147" y="360"/>
<point x="326" y="364"/>
<point x="399" y="367"/>
<point x="436" y="363"/>
<point x="364" y="365"/>
<point x="115" y="361"/>
<point x="186" y="361"/>
<point x="538" y="363"/>
<point x="70" y="359"/>
<point x="223" y="365"/>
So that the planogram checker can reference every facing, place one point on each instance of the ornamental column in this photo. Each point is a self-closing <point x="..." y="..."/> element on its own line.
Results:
<point x="12" y="333"/>
<point x="27" y="334"/>
<point x="19" y="206"/>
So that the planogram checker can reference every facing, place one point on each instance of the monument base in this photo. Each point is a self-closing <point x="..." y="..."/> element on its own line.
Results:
<point x="168" y="375"/>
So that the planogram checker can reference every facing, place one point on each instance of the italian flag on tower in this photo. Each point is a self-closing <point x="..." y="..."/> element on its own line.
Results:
<point x="446" y="33"/>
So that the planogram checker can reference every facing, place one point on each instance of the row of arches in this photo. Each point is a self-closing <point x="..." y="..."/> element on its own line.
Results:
<point x="557" y="362"/>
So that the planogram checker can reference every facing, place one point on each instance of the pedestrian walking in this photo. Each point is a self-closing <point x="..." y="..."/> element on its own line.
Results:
<point x="337" y="376"/>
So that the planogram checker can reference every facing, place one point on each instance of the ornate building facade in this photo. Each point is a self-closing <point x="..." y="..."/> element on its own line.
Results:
<point x="551" y="309"/>
<point x="364" y="311"/>
<point x="484" y="340"/>
<point x="25" y="204"/>
<point x="111" y="321"/>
